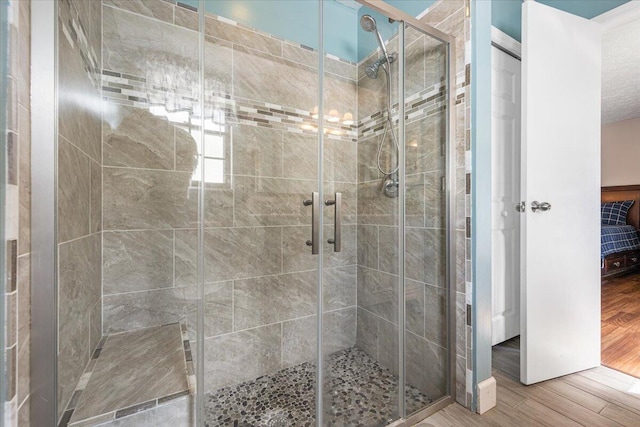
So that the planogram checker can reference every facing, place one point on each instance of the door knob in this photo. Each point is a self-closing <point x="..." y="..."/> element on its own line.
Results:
<point x="542" y="207"/>
<point x="521" y="207"/>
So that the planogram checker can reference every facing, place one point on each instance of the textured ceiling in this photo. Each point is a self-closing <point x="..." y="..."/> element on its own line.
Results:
<point x="621" y="73"/>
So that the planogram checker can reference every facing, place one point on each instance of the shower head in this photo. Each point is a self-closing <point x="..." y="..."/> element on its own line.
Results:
<point x="368" y="23"/>
<point x="372" y="69"/>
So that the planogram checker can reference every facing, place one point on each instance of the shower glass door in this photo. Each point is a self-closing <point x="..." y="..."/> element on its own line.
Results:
<point x="260" y="163"/>
<point x="361" y="282"/>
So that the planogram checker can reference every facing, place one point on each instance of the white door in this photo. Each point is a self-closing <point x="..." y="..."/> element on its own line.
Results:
<point x="560" y="248"/>
<point x="505" y="195"/>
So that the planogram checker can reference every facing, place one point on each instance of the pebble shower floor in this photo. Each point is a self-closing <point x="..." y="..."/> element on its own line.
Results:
<point x="363" y="393"/>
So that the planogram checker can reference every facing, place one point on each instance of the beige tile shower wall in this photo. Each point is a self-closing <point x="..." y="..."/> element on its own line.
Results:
<point x="79" y="191"/>
<point x="18" y="217"/>
<point x="260" y="278"/>
<point x="425" y="292"/>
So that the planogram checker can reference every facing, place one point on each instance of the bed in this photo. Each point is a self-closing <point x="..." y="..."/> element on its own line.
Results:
<point x="620" y="243"/>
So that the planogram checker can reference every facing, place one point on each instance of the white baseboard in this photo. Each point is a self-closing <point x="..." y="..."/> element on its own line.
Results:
<point x="486" y="395"/>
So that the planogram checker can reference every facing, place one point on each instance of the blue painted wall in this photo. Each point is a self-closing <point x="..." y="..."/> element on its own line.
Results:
<point x="507" y="14"/>
<point x="297" y="21"/>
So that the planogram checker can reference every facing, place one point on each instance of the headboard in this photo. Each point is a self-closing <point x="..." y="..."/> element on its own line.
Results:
<point x="621" y="193"/>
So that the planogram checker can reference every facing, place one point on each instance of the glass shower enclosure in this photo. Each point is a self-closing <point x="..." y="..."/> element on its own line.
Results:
<point x="253" y="215"/>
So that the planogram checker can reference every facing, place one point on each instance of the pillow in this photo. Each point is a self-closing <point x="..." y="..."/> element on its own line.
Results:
<point x="615" y="213"/>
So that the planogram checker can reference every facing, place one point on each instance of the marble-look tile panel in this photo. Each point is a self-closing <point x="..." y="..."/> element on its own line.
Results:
<point x="95" y="324"/>
<point x="24" y="179"/>
<point x="415" y="57"/>
<point x="72" y="358"/>
<point x="96" y="197"/>
<point x="339" y="94"/>
<point x="144" y="199"/>
<point x="339" y="287"/>
<point x="299" y="340"/>
<point x="258" y="76"/>
<point x="347" y="255"/>
<point x="186" y="150"/>
<point x="367" y="246"/>
<point x="372" y="92"/>
<point x="257" y="151"/>
<point x="415" y="200"/>
<point x="74" y="192"/>
<point x="218" y="63"/>
<point x="24" y="413"/>
<point x="79" y="286"/>
<point x="374" y="207"/>
<point x="441" y="11"/>
<point x="166" y="55"/>
<point x="435" y="315"/>
<point x="133" y="137"/>
<point x="295" y="53"/>
<point x="414" y="307"/>
<point x="186" y="18"/>
<point x="388" y="337"/>
<point x="426" y="366"/>
<point x="378" y="293"/>
<point x="242" y="36"/>
<point x="367" y="333"/>
<point x="434" y="200"/>
<point x="218" y="309"/>
<point x="340" y="330"/>
<point x="300" y="156"/>
<point x="137" y="260"/>
<point x="460" y="243"/>
<point x="296" y="254"/>
<point x="241" y="253"/>
<point x="79" y="105"/>
<point x="151" y="8"/>
<point x="461" y="323"/>
<point x="349" y="201"/>
<point x="24" y="53"/>
<point x="24" y="326"/>
<point x="426" y="141"/>
<point x="368" y="157"/>
<point x="261" y="201"/>
<point x="340" y="160"/>
<point x="240" y="356"/>
<point x="388" y="249"/>
<point x="435" y="53"/>
<point x="425" y="260"/>
<point x="134" y="367"/>
<point x="272" y="299"/>
<point x="136" y="310"/>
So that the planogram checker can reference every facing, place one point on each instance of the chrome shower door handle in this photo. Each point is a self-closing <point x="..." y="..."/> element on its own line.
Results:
<point x="337" y="222"/>
<point x="314" y="202"/>
<point x="540" y="206"/>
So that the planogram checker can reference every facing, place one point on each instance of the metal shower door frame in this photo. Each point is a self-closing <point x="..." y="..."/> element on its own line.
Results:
<point x="450" y="152"/>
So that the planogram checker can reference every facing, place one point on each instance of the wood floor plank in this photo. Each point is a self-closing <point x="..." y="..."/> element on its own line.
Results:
<point x="621" y="415"/>
<point x="620" y="331"/>
<point x="581" y="397"/>
<point x="558" y="403"/>
<point x="605" y="392"/>
<point x="545" y="415"/>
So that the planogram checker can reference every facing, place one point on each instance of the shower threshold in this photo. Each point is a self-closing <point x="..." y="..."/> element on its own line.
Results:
<point x="361" y="392"/>
<point x="133" y="378"/>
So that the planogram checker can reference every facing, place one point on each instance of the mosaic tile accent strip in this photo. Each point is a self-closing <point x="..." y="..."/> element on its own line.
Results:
<point x="363" y="393"/>
<point x="123" y="412"/>
<point x="125" y="89"/>
<point x="428" y="102"/>
<point x="75" y="33"/>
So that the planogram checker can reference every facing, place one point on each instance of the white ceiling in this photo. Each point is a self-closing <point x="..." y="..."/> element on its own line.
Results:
<point x="621" y="72"/>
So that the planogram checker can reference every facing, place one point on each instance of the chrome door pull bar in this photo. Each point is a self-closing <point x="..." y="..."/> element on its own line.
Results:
<point x="314" y="202"/>
<point x="337" y="222"/>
